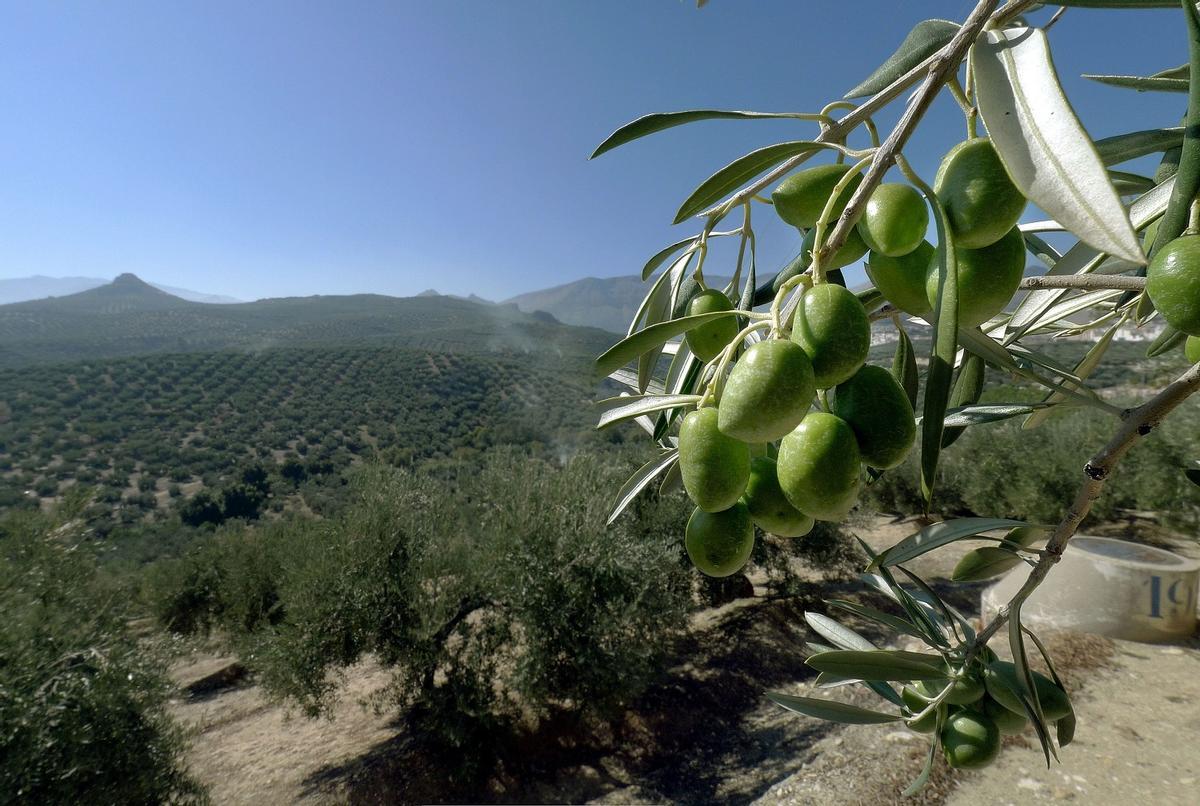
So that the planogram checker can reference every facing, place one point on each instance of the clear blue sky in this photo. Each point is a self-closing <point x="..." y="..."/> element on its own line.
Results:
<point x="292" y="148"/>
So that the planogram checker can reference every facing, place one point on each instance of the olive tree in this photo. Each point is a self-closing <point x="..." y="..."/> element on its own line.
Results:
<point x="757" y="395"/>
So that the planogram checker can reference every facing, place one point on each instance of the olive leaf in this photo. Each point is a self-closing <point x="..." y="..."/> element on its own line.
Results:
<point x="641" y="480"/>
<point x="1114" y="3"/>
<point x="1042" y="144"/>
<point x="738" y="173"/>
<point x="619" y="409"/>
<point x="983" y="563"/>
<point x="958" y="418"/>
<point x="1064" y="726"/>
<point x="1086" y="366"/>
<point x="976" y="341"/>
<point x="904" y="366"/>
<point x="1026" y="686"/>
<point x="672" y="480"/>
<point x="1072" y="305"/>
<point x="932" y="626"/>
<point x="940" y="534"/>
<point x="928" y="597"/>
<point x="1168" y="340"/>
<point x="1124" y="147"/>
<point x="826" y="680"/>
<point x="837" y="634"/>
<point x="880" y="664"/>
<point x="968" y="386"/>
<point x="926" y="38"/>
<point x="658" y="309"/>
<point x="654" y="295"/>
<point x="1141" y="83"/>
<point x="1082" y="259"/>
<point x="945" y="347"/>
<point x="894" y="622"/>
<point x="1040" y="249"/>
<point x="1029" y="357"/>
<point x="658" y="121"/>
<point x="1130" y="184"/>
<point x="661" y="256"/>
<point x="922" y="778"/>
<point x="631" y="347"/>
<point x="1182" y="71"/>
<point x="627" y="377"/>
<point x="831" y="710"/>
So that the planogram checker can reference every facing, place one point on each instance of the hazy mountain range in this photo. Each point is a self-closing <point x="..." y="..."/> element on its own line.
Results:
<point x="130" y="317"/>
<point x="22" y="289"/>
<point x="607" y="303"/>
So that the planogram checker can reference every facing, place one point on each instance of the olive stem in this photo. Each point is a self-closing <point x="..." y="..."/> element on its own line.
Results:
<point x="747" y="234"/>
<point x="800" y="279"/>
<point x="1014" y="7"/>
<point x="933" y="703"/>
<point x="726" y="357"/>
<point x="968" y="109"/>
<point x="1137" y="424"/>
<point x="819" y="251"/>
<point x="1086" y="281"/>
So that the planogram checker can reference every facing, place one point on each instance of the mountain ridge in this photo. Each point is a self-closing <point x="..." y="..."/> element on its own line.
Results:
<point x="131" y="317"/>
<point x="40" y="286"/>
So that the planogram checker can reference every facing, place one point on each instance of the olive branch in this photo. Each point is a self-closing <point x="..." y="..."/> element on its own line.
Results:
<point x="1044" y="150"/>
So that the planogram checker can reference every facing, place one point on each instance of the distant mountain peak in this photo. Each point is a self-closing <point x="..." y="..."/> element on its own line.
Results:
<point x="430" y="292"/>
<point x="129" y="281"/>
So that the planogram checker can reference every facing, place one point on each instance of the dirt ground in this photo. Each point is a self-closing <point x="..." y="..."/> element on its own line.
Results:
<point x="705" y="734"/>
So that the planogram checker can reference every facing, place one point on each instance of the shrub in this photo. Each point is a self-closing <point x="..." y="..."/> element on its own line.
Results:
<point x="82" y="706"/>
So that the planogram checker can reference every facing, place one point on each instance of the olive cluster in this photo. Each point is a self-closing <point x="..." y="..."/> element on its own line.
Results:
<point x="763" y="455"/>
<point x="978" y="709"/>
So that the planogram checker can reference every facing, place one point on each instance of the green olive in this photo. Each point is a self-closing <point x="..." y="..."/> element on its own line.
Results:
<point x="720" y="543"/>
<point x="901" y="280"/>
<point x="876" y="407"/>
<point x="966" y="690"/>
<point x="894" y="220"/>
<point x="1008" y="722"/>
<point x="980" y="200"/>
<point x="1173" y="283"/>
<point x="832" y="327"/>
<point x="708" y="340"/>
<point x="715" y="468"/>
<point x="769" y="507"/>
<point x="970" y="740"/>
<point x="768" y="392"/>
<point x="800" y="199"/>
<point x="818" y="467"/>
<point x="987" y="278"/>
<point x="1191" y="349"/>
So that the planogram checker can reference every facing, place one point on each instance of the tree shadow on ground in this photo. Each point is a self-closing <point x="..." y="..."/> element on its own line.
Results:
<point x="702" y="732"/>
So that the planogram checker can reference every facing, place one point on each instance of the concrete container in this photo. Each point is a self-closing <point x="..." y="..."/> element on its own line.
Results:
<point x="1109" y="587"/>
